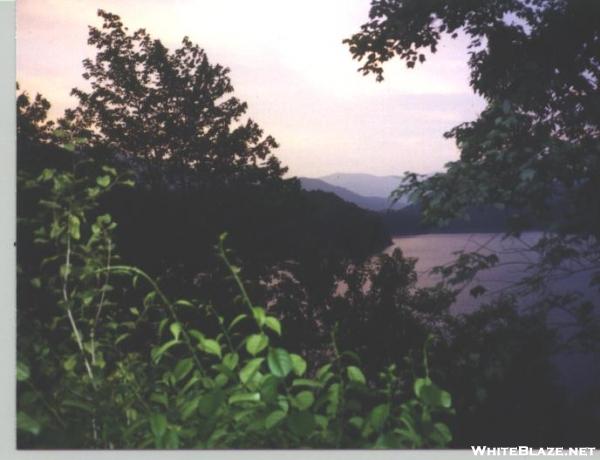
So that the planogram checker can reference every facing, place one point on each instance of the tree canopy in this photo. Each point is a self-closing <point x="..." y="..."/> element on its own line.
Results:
<point x="169" y="107"/>
<point x="535" y="149"/>
<point x="537" y="63"/>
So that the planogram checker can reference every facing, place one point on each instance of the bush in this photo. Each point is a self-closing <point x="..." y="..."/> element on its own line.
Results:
<point x="106" y="360"/>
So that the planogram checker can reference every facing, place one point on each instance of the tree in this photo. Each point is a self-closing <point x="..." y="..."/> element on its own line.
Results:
<point x="535" y="149"/>
<point x="170" y="108"/>
<point x="32" y="122"/>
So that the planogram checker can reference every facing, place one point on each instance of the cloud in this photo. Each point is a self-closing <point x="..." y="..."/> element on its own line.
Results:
<point x="288" y="62"/>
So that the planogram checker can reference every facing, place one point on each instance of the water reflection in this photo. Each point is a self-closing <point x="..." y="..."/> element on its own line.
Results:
<point x="578" y="371"/>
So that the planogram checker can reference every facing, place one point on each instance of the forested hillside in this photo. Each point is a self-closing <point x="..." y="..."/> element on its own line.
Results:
<point x="175" y="290"/>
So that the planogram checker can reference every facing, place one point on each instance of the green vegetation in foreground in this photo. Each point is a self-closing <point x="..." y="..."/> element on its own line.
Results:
<point x="82" y="385"/>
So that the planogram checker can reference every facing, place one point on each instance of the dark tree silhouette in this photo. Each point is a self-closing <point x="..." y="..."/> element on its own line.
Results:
<point x="171" y="108"/>
<point x="535" y="149"/>
<point x="537" y="64"/>
<point x="32" y="118"/>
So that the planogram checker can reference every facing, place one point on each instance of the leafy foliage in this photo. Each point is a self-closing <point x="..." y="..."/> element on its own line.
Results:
<point x="312" y="344"/>
<point x="83" y="381"/>
<point x="172" y="108"/>
<point x="534" y="150"/>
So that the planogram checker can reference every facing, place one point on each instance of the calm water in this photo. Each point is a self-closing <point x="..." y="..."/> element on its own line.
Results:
<point x="577" y="371"/>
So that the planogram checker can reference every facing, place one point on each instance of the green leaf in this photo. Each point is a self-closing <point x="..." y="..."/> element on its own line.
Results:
<point x="441" y="435"/>
<point x="109" y="169"/>
<point x="237" y="319"/>
<point x="79" y="405"/>
<point x="259" y="315"/>
<point x="199" y="336"/>
<point x="446" y="399"/>
<point x="244" y="397"/>
<point x="210" y="403"/>
<point x="171" y="440"/>
<point x="184" y="303"/>
<point x="273" y="324"/>
<point x="46" y="175"/>
<point x="122" y="337"/>
<point x="303" y="400"/>
<point x="301" y="423"/>
<point x="279" y="361"/>
<point x="274" y="418"/>
<point x="55" y="230"/>
<point x="70" y="362"/>
<point x="26" y="423"/>
<point x="256" y="343"/>
<point x="157" y="353"/>
<point x="431" y="394"/>
<point x="210" y="346"/>
<point x="322" y="421"/>
<point x="333" y="396"/>
<point x="230" y="360"/>
<point x="147" y="302"/>
<point x="283" y="403"/>
<point x="160" y="398"/>
<point x="298" y="364"/>
<point x="322" y="372"/>
<point x="356" y="375"/>
<point x="245" y="416"/>
<point x="224" y="370"/>
<point x="50" y="204"/>
<point x="175" y="330"/>
<point x="23" y="372"/>
<point x="158" y="425"/>
<point x="250" y="369"/>
<point x="268" y="388"/>
<point x="190" y="383"/>
<point x="307" y="383"/>
<point x="356" y="422"/>
<point x="419" y="384"/>
<point x="104" y="219"/>
<point x="74" y="227"/>
<point x="189" y="408"/>
<point x="103" y="181"/>
<point x="379" y="416"/>
<point x="183" y="368"/>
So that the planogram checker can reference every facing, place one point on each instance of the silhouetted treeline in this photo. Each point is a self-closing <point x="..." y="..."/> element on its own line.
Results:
<point x="309" y="258"/>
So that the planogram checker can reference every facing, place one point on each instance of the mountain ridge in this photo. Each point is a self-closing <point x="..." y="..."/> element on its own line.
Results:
<point x="402" y="217"/>
<point x="373" y="203"/>
<point x="364" y="184"/>
<point x="365" y="190"/>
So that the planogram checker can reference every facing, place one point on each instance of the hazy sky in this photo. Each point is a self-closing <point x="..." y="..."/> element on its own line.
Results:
<point x="287" y="61"/>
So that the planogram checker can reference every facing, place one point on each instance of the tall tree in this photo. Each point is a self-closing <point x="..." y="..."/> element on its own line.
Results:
<point x="171" y="108"/>
<point x="535" y="149"/>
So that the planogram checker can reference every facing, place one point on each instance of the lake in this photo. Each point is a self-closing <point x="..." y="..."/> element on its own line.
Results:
<point x="578" y="371"/>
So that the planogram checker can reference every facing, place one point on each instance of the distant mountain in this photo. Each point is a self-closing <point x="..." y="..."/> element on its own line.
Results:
<point x="481" y="219"/>
<point x="373" y="203"/>
<point x="364" y="184"/>
<point x="372" y="192"/>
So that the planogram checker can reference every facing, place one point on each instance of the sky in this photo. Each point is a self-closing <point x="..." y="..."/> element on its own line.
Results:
<point x="288" y="63"/>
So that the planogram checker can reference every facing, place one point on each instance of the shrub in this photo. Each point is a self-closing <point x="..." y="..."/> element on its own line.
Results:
<point x="106" y="360"/>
